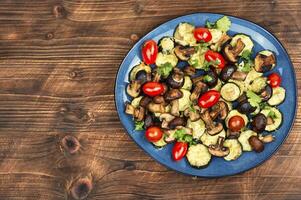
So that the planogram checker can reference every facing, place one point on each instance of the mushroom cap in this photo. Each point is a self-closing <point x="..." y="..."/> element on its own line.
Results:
<point x="184" y="52"/>
<point x="264" y="63"/>
<point x="173" y="94"/>
<point x="227" y="72"/>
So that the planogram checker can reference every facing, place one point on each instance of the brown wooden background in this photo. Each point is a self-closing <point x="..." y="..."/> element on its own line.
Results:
<point x="58" y="61"/>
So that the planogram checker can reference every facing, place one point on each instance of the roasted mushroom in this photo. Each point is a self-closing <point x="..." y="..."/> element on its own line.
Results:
<point x="137" y="113"/>
<point x="165" y="118"/>
<point x="264" y="61"/>
<point x="256" y="144"/>
<point x="266" y="93"/>
<point x="219" y="110"/>
<point x="233" y="134"/>
<point x="145" y="101"/>
<point x="199" y="89"/>
<point x="211" y="77"/>
<point x="173" y="94"/>
<point x="148" y="121"/>
<point x="177" y="121"/>
<point x="156" y="108"/>
<point x="141" y="72"/>
<point x="176" y="79"/>
<point x="218" y="149"/>
<point x="189" y="70"/>
<point x="156" y="77"/>
<point x="231" y="53"/>
<point x="133" y="89"/>
<point x="213" y="128"/>
<point x="259" y="123"/>
<point x="159" y="99"/>
<point x="245" y="107"/>
<point x="193" y="113"/>
<point x="175" y="108"/>
<point x="218" y="45"/>
<point x="230" y="72"/>
<point x="267" y="138"/>
<point x="184" y="52"/>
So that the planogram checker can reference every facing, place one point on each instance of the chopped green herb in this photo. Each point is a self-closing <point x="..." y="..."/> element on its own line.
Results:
<point x="191" y="108"/>
<point x="165" y="69"/>
<point x="272" y="114"/>
<point x="207" y="78"/>
<point x="210" y="24"/>
<point x="247" y="62"/>
<point x="139" y="125"/>
<point x="181" y="136"/>
<point x="263" y="105"/>
<point x="194" y="63"/>
<point x="246" y="54"/>
<point x="253" y="98"/>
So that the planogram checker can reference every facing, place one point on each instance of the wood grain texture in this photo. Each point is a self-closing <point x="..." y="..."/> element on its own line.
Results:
<point x="58" y="61"/>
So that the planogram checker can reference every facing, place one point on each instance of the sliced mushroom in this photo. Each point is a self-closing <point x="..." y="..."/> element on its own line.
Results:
<point x="173" y="94"/>
<point x="159" y="99"/>
<point x="219" y="110"/>
<point x="212" y="127"/>
<point x="133" y="89"/>
<point x="193" y="113"/>
<point x="233" y="134"/>
<point x="177" y="121"/>
<point x="156" y="108"/>
<point x="266" y="93"/>
<point x="259" y="123"/>
<point x="267" y="138"/>
<point x="145" y="101"/>
<point x="189" y="70"/>
<point x="176" y="79"/>
<point x="137" y="113"/>
<point x="256" y="144"/>
<point x="148" y="121"/>
<point x="230" y="72"/>
<point x="199" y="89"/>
<point x="213" y="77"/>
<point x="156" y="77"/>
<point x="184" y="52"/>
<point x="175" y="108"/>
<point x="166" y="118"/>
<point x="218" y="45"/>
<point x="218" y="149"/>
<point x="231" y="53"/>
<point x="264" y="63"/>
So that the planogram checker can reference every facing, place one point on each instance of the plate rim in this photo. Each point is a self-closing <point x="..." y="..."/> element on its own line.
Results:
<point x="221" y="14"/>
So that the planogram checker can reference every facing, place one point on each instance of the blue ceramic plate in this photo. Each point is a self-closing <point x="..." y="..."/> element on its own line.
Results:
<point x="218" y="166"/>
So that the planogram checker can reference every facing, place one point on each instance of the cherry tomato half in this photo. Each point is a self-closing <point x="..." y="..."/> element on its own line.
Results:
<point x="149" y="52"/>
<point x="179" y="150"/>
<point x="209" y="98"/>
<point x="153" y="134"/>
<point x="212" y="56"/>
<point x="274" y="80"/>
<point x="202" y="34"/>
<point x="153" y="88"/>
<point x="236" y="123"/>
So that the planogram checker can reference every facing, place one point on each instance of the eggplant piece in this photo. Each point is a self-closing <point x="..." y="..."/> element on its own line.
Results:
<point x="227" y="72"/>
<point x="266" y="93"/>
<point x="259" y="123"/>
<point x="245" y="107"/>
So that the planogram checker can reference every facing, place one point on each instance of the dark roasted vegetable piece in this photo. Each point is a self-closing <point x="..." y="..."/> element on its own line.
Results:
<point x="231" y="53"/>
<point x="264" y="63"/>
<point x="177" y="121"/>
<point x="256" y="144"/>
<point x="199" y="89"/>
<point x="145" y="101"/>
<point x="189" y="70"/>
<point x="133" y="89"/>
<point x="227" y="72"/>
<point x="176" y="79"/>
<point x="245" y="107"/>
<point x="266" y="93"/>
<point x="213" y="77"/>
<point x="173" y="94"/>
<point x="184" y="52"/>
<point x="259" y="123"/>
<point x="219" y="110"/>
<point x="218" y="149"/>
<point x="158" y="99"/>
<point x="213" y="128"/>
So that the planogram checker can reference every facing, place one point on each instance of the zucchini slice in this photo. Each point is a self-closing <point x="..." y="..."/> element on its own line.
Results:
<point x="161" y="143"/>
<point x="244" y="139"/>
<point x="277" y="118"/>
<point x="251" y="76"/>
<point x="258" y="84"/>
<point x="137" y="68"/>
<point x="208" y="140"/>
<point x="166" y="58"/>
<point x="235" y="149"/>
<point x="187" y="83"/>
<point x="198" y="128"/>
<point x="230" y="92"/>
<point x="240" y="84"/>
<point x="235" y="112"/>
<point x="198" y="156"/>
<point x="277" y="97"/>
<point x="166" y="45"/>
<point x="184" y="101"/>
<point x="245" y="39"/>
<point x="184" y="34"/>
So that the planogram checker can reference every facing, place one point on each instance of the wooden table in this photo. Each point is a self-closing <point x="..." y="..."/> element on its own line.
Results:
<point x="58" y="64"/>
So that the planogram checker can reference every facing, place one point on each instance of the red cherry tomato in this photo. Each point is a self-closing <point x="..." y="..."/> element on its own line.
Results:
<point x="153" y="88"/>
<point x="153" y="134"/>
<point x="212" y="56"/>
<point x="274" y="80"/>
<point x="149" y="52"/>
<point x="179" y="150"/>
<point x="209" y="98"/>
<point x="236" y="123"/>
<point x="202" y="34"/>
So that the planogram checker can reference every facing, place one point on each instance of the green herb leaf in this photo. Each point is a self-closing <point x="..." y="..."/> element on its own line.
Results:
<point x="165" y="69"/>
<point x="207" y="78"/>
<point x="253" y="98"/>
<point x="191" y="108"/>
<point x="210" y="24"/>
<point x="263" y="105"/>
<point x="272" y="114"/>
<point x="223" y="24"/>
<point x="246" y="54"/>
<point x="139" y="125"/>
<point x="194" y="63"/>
<point x="181" y="136"/>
